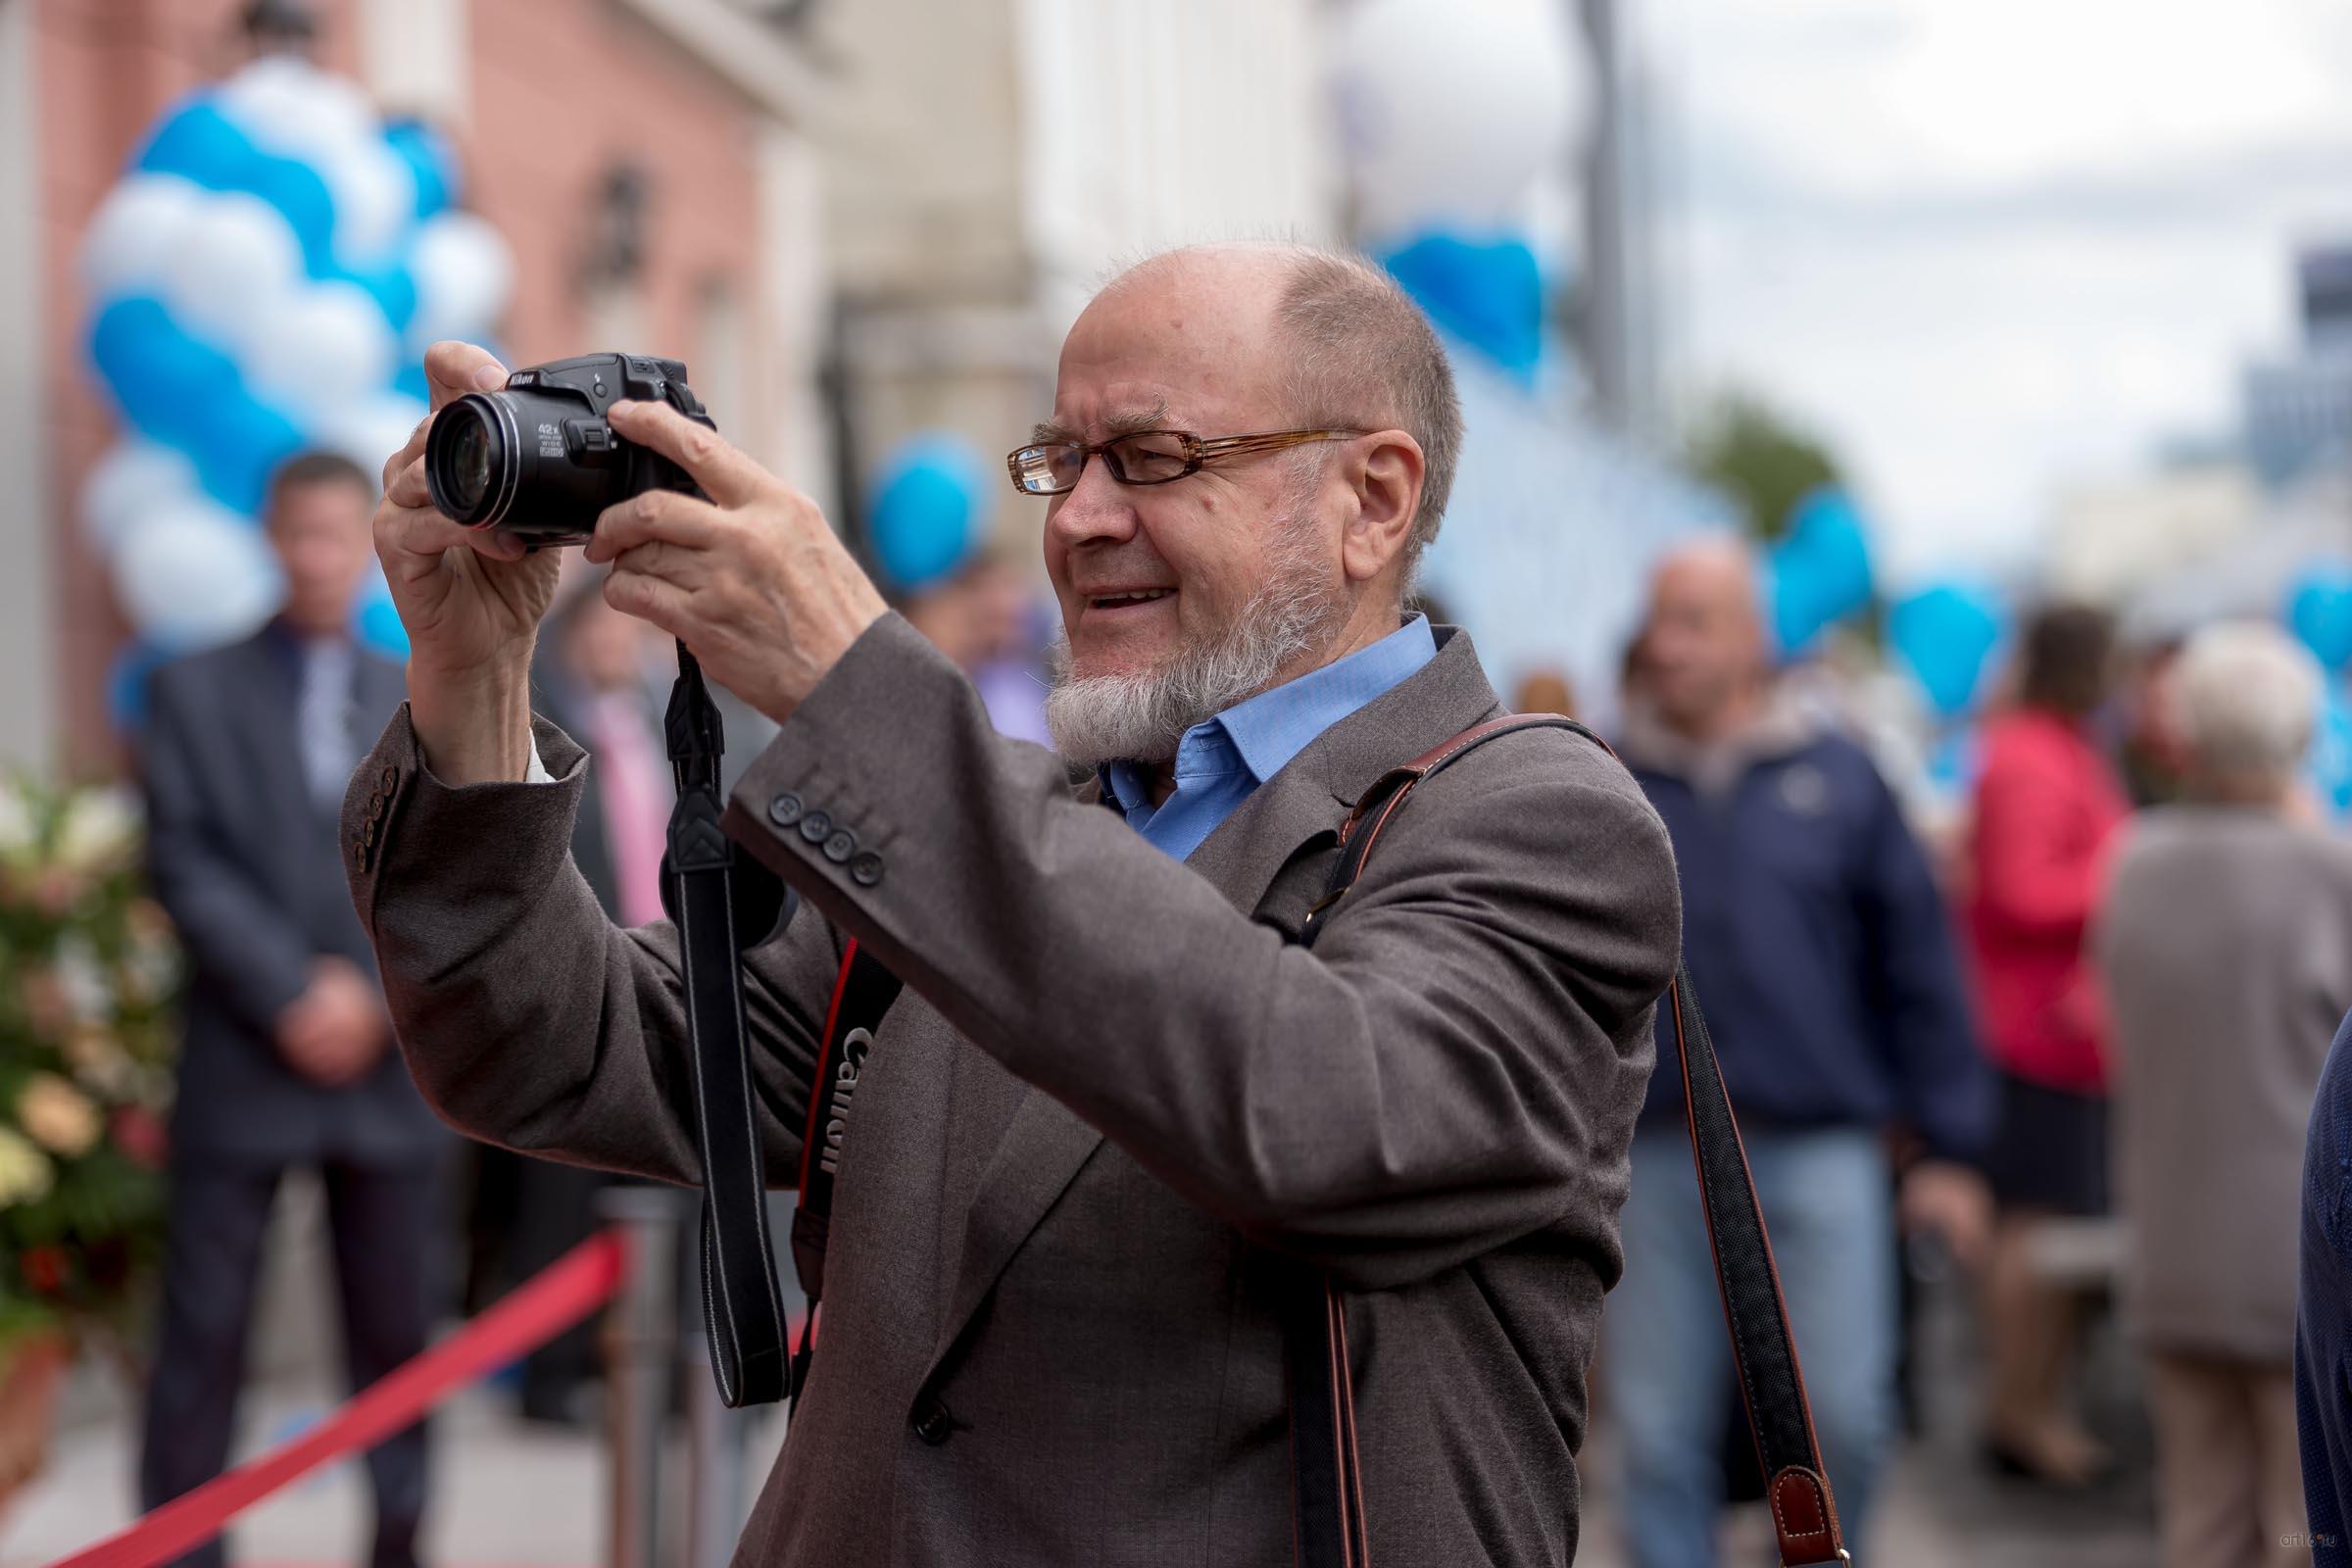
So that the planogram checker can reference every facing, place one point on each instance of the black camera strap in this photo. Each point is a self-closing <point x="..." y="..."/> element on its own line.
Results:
<point x="722" y="907"/>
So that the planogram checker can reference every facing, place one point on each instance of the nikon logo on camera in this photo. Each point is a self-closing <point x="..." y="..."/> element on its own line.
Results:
<point x="845" y="1084"/>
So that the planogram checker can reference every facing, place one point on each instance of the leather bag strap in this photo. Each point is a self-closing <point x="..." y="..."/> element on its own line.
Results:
<point x="1327" y="1482"/>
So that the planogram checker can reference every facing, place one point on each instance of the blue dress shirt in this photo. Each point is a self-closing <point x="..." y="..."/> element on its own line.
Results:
<point x="1221" y="761"/>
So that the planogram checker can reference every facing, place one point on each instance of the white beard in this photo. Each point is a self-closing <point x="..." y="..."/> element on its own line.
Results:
<point x="1141" y="715"/>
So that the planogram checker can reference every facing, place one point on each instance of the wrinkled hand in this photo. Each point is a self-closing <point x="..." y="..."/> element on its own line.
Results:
<point x="752" y="580"/>
<point x="469" y="598"/>
<point x="335" y="1032"/>
<point x="1951" y="1201"/>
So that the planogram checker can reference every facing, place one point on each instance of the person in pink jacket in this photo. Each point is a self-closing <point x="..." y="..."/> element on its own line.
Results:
<point x="2046" y="810"/>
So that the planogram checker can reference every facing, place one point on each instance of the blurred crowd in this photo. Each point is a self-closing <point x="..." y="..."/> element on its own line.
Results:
<point x="2082" y="1020"/>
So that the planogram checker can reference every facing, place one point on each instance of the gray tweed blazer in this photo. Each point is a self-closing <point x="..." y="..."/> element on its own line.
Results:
<point x="1110" y="1110"/>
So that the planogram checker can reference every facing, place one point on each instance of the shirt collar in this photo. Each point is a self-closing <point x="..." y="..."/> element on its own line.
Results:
<point x="1264" y="733"/>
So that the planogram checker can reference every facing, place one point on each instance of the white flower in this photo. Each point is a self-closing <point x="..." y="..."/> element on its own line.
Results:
<point x="26" y="1173"/>
<point x="82" y="976"/>
<point x="58" y="1116"/>
<point x="101" y="830"/>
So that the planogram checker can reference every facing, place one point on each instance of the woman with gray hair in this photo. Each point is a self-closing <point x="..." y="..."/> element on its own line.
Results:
<point x="2226" y="949"/>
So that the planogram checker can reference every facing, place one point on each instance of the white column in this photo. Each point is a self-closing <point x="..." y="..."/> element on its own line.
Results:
<point x="29" y="650"/>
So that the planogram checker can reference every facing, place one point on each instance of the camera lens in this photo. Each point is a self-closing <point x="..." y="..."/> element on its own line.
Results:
<point x="470" y="464"/>
<point x="470" y="461"/>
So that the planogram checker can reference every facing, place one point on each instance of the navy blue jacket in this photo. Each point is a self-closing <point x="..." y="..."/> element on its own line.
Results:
<point x="1821" y="951"/>
<point x="2324" y="1313"/>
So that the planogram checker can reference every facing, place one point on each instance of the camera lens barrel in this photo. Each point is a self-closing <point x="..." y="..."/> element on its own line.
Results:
<point x="539" y="461"/>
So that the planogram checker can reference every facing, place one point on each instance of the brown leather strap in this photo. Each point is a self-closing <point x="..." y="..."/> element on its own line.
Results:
<point x="1772" y="1391"/>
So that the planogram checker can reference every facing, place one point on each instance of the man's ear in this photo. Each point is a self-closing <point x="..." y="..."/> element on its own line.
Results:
<point x="1385" y="470"/>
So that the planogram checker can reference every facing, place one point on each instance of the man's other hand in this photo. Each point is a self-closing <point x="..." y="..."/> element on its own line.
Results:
<point x="752" y="580"/>
<point x="334" y="1033"/>
<point x="1951" y="1201"/>
<point x="471" y="599"/>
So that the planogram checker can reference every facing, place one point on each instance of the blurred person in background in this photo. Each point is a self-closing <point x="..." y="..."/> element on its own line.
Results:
<point x="1544" y="691"/>
<point x="597" y="675"/>
<point x="2324" y="1311"/>
<point x="2225" y="946"/>
<point x="288" y="1060"/>
<point x="2045" y="809"/>
<point x="1827" y="967"/>
<point x="985" y="618"/>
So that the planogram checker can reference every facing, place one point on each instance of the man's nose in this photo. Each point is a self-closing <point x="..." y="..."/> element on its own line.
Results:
<point x="1099" y="509"/>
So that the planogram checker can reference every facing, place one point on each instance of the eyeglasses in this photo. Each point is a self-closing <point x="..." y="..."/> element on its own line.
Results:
<point x="1147" y="457"/>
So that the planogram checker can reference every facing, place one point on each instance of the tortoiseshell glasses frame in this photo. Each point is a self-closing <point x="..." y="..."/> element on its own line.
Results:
<point x="1144" y="456"/>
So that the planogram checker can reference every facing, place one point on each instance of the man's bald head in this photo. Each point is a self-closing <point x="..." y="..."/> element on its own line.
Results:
<point x="1340" y="341"/>
<point x="1702" y="650"/>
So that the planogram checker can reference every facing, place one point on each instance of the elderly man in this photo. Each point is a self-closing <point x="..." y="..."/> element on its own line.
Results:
<point x="1822" y="954"/>
<point x="1114" y="1113"/>
<point x="2226" y="949"/>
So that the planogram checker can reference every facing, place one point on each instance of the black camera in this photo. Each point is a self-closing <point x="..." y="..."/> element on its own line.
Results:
<point x="539" y="459"/>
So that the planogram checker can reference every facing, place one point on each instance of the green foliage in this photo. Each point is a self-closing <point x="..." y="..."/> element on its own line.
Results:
<point x="88" y="973"/>
<point x="1762" y="461"/>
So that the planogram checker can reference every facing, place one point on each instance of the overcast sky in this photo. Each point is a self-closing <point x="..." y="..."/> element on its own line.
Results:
<point x="1989" y="247"/>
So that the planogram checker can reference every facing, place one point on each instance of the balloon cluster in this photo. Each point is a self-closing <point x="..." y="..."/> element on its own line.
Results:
<point x="264" y="279"/>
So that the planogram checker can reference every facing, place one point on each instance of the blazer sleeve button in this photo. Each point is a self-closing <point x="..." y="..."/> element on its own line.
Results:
<point x="841" y="846"/>
<point x="931" y="1421"/>
<point x="784" y="810"/>
<point x="866" y="870"/>
<point x="816" y="827"/>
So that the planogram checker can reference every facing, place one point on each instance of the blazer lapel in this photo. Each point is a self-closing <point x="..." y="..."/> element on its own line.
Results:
<point x="1046" y="1145"/>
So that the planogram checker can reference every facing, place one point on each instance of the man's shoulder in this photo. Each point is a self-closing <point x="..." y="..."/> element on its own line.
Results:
<point x="1540" y="767"/>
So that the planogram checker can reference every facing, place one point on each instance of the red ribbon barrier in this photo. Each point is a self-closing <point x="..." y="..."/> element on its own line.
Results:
<point x="557" y="1296"/>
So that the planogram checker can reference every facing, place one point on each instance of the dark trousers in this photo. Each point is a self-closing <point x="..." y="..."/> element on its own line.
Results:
<point x="383" y="1224"/>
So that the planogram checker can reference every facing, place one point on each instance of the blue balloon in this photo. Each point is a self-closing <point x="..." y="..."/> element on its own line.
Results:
<point x="411" y="382"/>
<point x="1490" y="294"/>
<point x="238" y="442"/>
<point x="925" y="510"/>
<point x="198" y="142"/>
<point x="1946" y="634"/>
<point x="126" y="684"/>
<point x="429" y="157"/>
<point x="300" y="194"/>
<point x="162" y="379"/>
<point x="390" y="285"/>
<point x="1820" y="569"/>
<point x="2320" y="610"/>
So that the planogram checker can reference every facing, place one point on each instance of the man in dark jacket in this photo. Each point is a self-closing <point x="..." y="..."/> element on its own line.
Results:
<point x="288" y="1059"/>
<point x="1824" y="962"/>
<point x="2324" y="1314"/>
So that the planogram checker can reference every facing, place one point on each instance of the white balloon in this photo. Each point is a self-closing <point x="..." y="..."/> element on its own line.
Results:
<point x="137" y="233"/>
<point x="374" y="194"/>
<point x="239" y="260"/>
<point x="370" y="430"/>
<point x="196" y="575"/>
<point x="290" y="106"/>
<point x="320" y="350"/>
<point x="135" y="480"/>
<point x="463" y="273"/>
<point x="1451" y="108"/>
